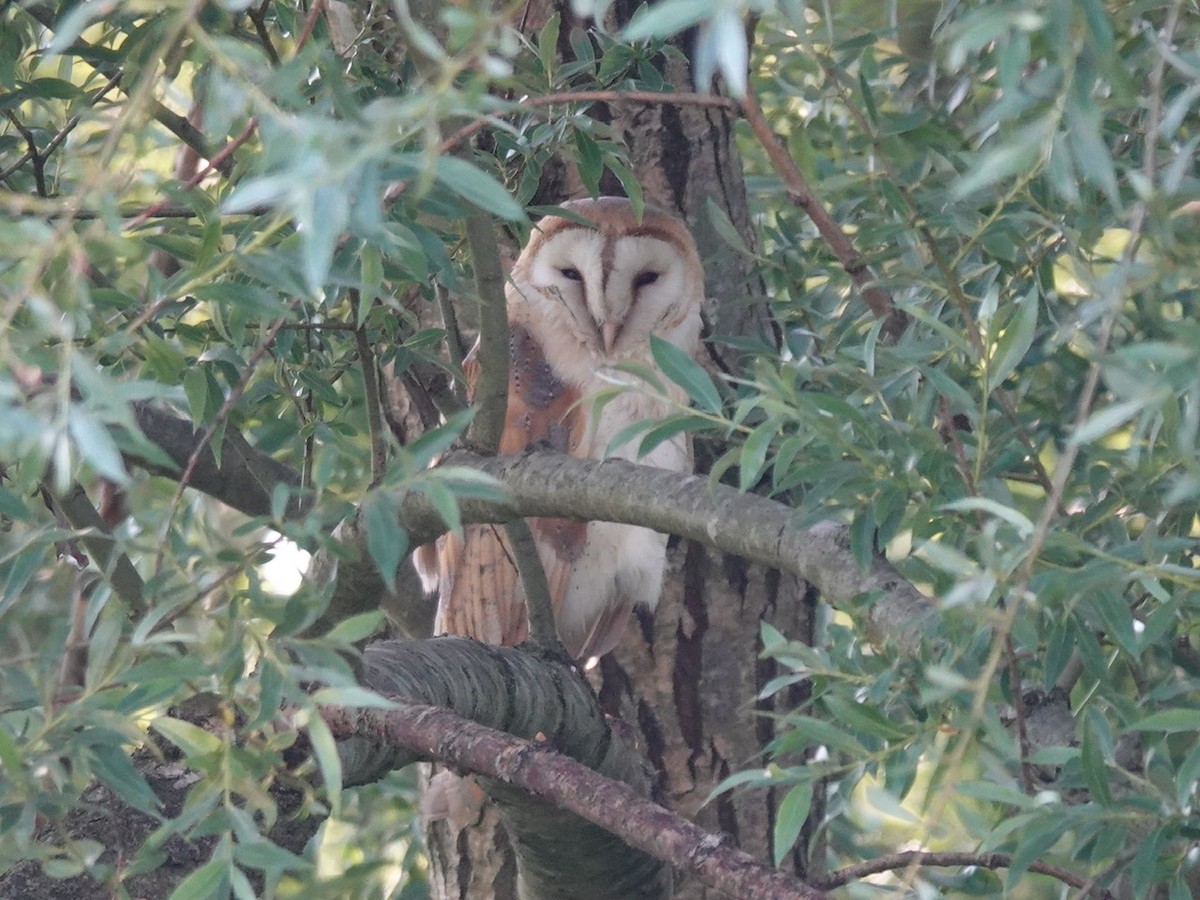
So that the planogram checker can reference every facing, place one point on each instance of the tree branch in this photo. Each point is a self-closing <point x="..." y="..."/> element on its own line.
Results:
<point x="545" y="483"/>
<point x="917" y="858"/>
<point x="96" y="536"/>
<point x="567" y="781"/>
<point x="491" y="390"/>
<point x="245" y="478"/>
<point x="879" y="300"/>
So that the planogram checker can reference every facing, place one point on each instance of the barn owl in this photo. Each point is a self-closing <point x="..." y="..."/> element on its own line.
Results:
<point x="583" y="296"/>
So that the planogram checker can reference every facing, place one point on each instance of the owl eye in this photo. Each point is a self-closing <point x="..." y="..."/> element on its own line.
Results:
<point x="644" y="278"/>
<point x="571" y="274"/>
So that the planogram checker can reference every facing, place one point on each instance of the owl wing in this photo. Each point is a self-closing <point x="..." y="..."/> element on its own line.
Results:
<point x="479" y="590"/>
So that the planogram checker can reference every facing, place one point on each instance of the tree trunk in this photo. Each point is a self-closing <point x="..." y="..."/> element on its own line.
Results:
<point x="687" y="680"/>
<point x="684" y="679"/>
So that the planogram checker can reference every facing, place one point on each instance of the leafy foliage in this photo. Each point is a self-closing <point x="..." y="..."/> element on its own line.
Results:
<point x="1020" y="177"/>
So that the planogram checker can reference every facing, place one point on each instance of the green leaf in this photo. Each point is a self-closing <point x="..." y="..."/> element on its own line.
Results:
<point x="1016" y="340"/>
<point x="862" y="539"/>
<point x="350" y="695"/>
<point x="478" y="187"/>
<point x="51" y="89"/>
<point x="1108" y="419"/>
<point x="113" y="767"/>
<point x="754" y="454"/>
<point x="810" y="732"/>
<point x="1015" y="156"/>
<point x="589" y="160"/>
<point x="1018" y="520"/>
<point x="1117" y="617"/>
<point x="1170" y="721"/>
<point x="629" y="182"/>
<point x="191" y="739"/>
<point x="96" y="446"/>
<point x="1143" y="869"/>
<point x="790" y="819"/>
<point x="670" y="428"/>
<point x="208" y="881"/>
<point x="195" y="388"/>
<point x="328" y="761"/>
<point x="11" y="760"/>
<point x="356" y="628"/>
<point x="267" y="856"/>
<point x="667" y="18"/>
<point x="1095" y="767"/>
<point x="725" y="228"/>
<point x="687" y="373"/>
<point x="62" y="867"/>
<point x="863" y="718"/>
<point x="548" y="44"/>
<point x="387" y="541"/>
<point x="1035" y="839"/>
<point x="12" y="507"/>
<point x="436" y="441"/>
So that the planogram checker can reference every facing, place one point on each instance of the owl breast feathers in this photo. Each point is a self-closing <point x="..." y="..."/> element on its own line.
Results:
<point x="583" y="296"/>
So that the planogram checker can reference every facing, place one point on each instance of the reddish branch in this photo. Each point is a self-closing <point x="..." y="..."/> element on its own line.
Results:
<point x="798" y="189"/>
<point x="569" y="785"/>
<point x="227" y="151"/>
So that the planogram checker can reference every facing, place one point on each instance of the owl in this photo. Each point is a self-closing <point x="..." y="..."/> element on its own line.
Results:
<point x="585" y="295"/>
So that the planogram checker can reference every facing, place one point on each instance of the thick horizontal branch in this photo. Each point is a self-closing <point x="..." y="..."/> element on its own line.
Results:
<point x="490" y="681"/>
<point x="533" y="696"/>
<point x="544" y="483"/>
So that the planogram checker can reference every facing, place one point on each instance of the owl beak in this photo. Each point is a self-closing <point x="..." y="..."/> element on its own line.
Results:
<point x="610" y="332"/>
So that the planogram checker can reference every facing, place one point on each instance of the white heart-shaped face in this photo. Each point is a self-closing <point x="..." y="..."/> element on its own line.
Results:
<point x="606" y="286"/>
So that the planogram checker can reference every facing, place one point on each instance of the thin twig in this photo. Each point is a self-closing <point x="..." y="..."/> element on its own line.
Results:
<point x="235" y="395"/>
<point x="920" y="858"/>
<point x="454" y="342"/>
<point x="370" y="377"/>
<point x="38" y="159"/>
<point x="67" y="128"/>
<point x="258" y="17"/>
<point x="211" y="166"/>
<point x="491" y="389"/>
<point x="539" y="608"/>
<point x="1020" y="715"/>
<point x="879" y="300"/>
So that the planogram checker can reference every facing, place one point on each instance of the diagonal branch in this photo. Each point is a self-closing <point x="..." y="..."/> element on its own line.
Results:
<point x="499" y="682"/>
<point x="878" y="299"/>
<point x="245" y="479"/>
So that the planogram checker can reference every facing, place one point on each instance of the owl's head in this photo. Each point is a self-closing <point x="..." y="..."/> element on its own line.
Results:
<point x="611" y="279"/>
